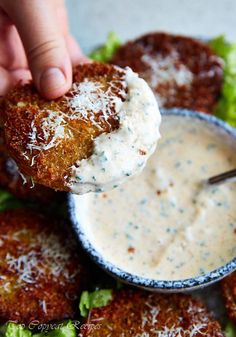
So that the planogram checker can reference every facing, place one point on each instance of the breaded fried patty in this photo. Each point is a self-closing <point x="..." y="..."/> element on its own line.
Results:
<point x="78" y="142"/>
<point x="41" y="270"/>
<point x="137" y="313"/>
<point x="229" y="293"/>
<point x="182" y="72"/>
<point x="47" y="137"/>
<point x="22" y="187"/>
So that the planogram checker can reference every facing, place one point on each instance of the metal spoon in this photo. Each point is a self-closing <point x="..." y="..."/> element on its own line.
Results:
<point x="222" y="178"/>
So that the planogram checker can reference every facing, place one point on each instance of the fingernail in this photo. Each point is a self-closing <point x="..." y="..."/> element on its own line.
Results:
<point x="52" y="79"/>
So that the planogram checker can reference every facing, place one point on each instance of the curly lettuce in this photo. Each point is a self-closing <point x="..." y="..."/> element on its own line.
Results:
<point x="226" y="107"/>
<point x="12" y="329"/>
<point x="8" y="201"/>
<point x="67" y="329"/>
<point x="105" y="52"/>
<point x="230" y="329"/>
<point x="95" y="299"/>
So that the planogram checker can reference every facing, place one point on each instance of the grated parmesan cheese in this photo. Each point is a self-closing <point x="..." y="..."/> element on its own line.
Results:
<point x="123" y="152"/>
<point x="14" y="171"/>
<point x="166" y="71"/>
<point x="53" y="131"/>
<point x="128" y="100"/>
<point x="89" y="99"/>
<point x="43" y="305"/>
<point x="46" y="257"/>
<point x="5" y="285"/>
<point x="175" y="331"/>
<point x="150" y="319"/>
<point x="85" y="100"/>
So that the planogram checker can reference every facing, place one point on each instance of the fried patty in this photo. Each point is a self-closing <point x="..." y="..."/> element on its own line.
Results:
<point x="21" y="186"/>
<point x="229" y="293"/>
<point x="41" y="269"/>
<point x="143" y="314"/>
<point x="46" y="138"/>
<point x="182" y="72"/>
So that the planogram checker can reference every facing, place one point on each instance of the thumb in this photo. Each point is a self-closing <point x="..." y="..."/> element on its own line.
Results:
<point x="44" y="45"/>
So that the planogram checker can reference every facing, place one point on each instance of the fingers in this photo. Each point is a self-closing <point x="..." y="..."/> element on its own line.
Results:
<point x="22" y="76"/>
<point x="10" y="78"/>
<point x="75" y="52"/>
<point x="6" y="81"/>
<point x="12" y="54"/>
<point x="45" y="47"/>
<point x="61" y="15"/>
<point x="5" y="21"/>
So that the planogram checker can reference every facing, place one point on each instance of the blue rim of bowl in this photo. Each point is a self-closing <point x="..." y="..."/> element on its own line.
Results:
<point x="147" y="283"/>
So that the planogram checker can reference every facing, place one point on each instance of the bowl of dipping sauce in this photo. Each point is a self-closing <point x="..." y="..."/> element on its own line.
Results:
<point x="166" y="229"/>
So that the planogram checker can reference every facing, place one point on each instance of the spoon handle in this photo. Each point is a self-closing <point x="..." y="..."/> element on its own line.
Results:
<point x="223" y="177"/>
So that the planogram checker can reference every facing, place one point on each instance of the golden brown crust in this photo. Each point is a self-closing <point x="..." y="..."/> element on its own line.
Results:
<point x="138" y="313"/>
<point x="158" y="56"/>
<point x="41" y="269"/>
<point x="229" y="293"/>
<point x="20" y="186"/>
<point x="47" y="153"/>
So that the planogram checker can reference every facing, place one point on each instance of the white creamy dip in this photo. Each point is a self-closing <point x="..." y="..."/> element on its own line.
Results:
<point x="124" y="152"/>
<point x="166" y="224"/>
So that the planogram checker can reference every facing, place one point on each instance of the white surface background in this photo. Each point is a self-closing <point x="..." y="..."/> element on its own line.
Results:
<point x="91" y="20"/>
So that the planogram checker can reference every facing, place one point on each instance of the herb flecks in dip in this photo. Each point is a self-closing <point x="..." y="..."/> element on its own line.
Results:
<point x="167" y="223"/>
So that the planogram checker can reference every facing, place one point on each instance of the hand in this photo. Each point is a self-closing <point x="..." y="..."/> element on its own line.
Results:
<point x="36" y="43"/>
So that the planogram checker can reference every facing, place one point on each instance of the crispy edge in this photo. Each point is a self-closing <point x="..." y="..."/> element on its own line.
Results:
<point x="52" y="167"/>
<point x="25" y="304"/>
<point x="127" y="307"/>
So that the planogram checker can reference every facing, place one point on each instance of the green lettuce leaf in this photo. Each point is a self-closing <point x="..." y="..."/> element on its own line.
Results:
<point x="8" y="201"/>
<point x="66" y="329"/>
<point x="14" y="330"/>
<point x="226" y="107"/>
<point x="230" y="329"/>
<point x="95" y="299"/>
<point x="105" y="52"/>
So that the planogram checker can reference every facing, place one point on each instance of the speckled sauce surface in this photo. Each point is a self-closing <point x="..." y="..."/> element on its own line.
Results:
<point x="166" y="223"/>
<point x="136" y="139"/>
